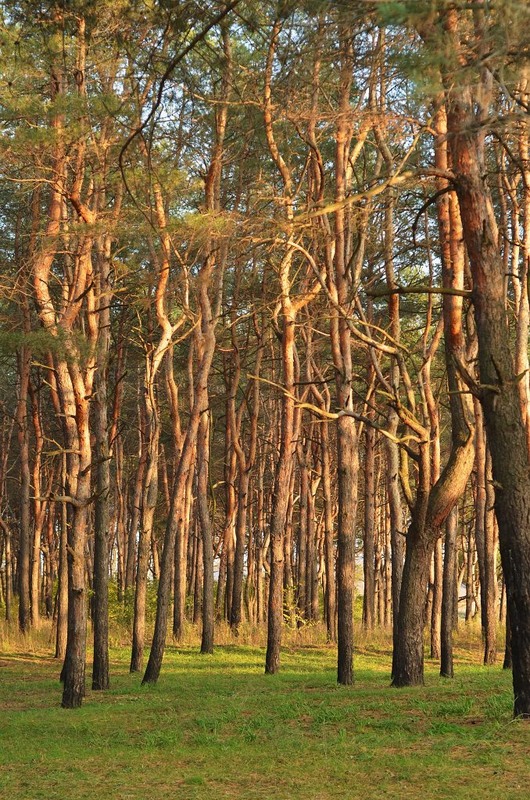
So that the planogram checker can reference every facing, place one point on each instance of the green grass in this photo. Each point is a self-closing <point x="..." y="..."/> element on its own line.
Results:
<point x="217" y="727"/>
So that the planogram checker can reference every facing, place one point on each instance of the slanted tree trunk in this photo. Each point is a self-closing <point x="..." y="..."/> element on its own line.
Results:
<point x="209" y="289"/>
<point x="178" y="498"/>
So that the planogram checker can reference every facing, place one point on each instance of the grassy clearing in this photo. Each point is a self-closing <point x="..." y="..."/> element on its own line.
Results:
<point x="216" y="727"/>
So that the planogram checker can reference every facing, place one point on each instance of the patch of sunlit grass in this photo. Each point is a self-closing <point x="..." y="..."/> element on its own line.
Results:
<point x="216" y="726"/>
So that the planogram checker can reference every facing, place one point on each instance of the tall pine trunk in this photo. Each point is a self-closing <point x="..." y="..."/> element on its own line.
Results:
<point x="498" y="390"/>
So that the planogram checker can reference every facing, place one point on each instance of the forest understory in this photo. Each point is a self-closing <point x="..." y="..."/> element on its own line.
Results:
<point x="215" y="725"/>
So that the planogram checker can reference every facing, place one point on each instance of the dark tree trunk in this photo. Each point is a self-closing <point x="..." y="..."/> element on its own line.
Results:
<point x="203" y="457"/>
<point x="507" y="664"/>
<point x="24" y="548"/>
<point x="470" y="553"/>
<point x="181" y="551"/>
<point x="148" y="506"/>
<point x="75" y="659"/>
<point x="198" y="581"/>
<point x="484" y="499"/>
<point x="408" y="656"/>
<point x="73" y="673"/>
<point x="369" y="529"/>
<point x="288" y="565"/>
<point x="347" y="433"/>
<point x="329" y="551"/>
<point x="312" y="553"/>
<point x="448" y="610"/>
<point x="490" y="573"/>
<point x="347" y="475"/>
<point x="397" y="540"/>
<point x="282" y="482"/>
<point x="100" y="669"/>
<point x="434" y="503"/>
<point x="136" y="511"/>
<point x="498" y="384"/>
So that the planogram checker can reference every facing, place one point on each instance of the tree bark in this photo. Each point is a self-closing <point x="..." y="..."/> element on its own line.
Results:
<point x="329" y="549"/>
<point x="498" y="389"/>
<point x="490" y="572"/>
<point x="208" y="615"/>
<point x="448" y="610"/>
<point x="369" y="529"/>
<point x="24" y="548"/>
<point x="100" y="668"/>
<point x="282" y="482"/>
<point x="149" y="499"/>
<point x="210" y="278"/>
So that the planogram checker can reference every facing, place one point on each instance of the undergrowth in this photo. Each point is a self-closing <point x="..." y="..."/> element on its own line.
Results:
<point x="217" y="727"/>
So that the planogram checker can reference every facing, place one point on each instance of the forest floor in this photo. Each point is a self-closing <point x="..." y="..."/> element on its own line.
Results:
<point x="217" y="727"/>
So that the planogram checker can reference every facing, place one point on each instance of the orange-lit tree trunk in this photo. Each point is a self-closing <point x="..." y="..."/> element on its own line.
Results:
<point x="433" y="505"/>
<point x="74" y="373"/>
<point x="209" y="290"/>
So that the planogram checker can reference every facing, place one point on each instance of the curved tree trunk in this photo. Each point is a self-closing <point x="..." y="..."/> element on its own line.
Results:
<point x="178" y="505"/>
<point x="433" y="504"/>
<point x="210" y="279"/>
